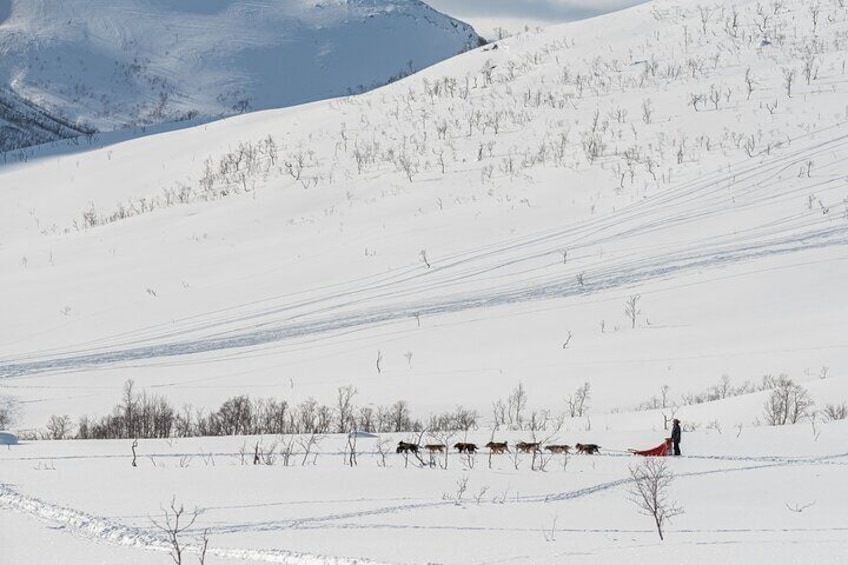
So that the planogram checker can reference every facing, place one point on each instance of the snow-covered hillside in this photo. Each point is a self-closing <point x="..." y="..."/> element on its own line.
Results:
<point x="71" y="67"/>
<point x="541" y="176"/>
<point x="653" y="202"/>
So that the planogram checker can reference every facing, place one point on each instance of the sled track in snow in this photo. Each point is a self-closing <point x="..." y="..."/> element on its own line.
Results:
<point x="109" y="531"/>
<point x="525" y="269"/>
<point x="326" y="520"/>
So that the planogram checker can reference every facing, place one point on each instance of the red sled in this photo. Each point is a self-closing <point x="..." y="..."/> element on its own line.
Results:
<point x="661" y="450"/>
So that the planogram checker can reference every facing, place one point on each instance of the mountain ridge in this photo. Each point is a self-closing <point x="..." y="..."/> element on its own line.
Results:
<point x="99" y="66"/>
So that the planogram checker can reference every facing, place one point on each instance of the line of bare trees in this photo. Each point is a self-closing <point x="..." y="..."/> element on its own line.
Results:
<point x="140" y="414"/>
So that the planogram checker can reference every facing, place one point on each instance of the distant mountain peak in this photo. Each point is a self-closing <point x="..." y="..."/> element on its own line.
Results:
<point x="68" y="67"/>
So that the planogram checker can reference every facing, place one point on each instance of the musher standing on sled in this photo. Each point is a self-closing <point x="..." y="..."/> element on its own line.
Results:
<point x="675" y="436"/>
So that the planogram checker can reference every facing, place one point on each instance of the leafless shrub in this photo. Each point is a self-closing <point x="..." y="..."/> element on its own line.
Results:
<point x="58" y="427"/>
<point x="649" y="491"/>
<point x="788" y="80"/>
<point x="578" y="403"/>
<point x="749" y="83"/>
<point x="705" y="13"/>
<point x="460" y="419"/>
<point x="788" y="402"/>
<point x="478" y="498"/>
<point x="724" y="389"/>
<point x="696" y="99"/>
<point x="308" y="443"/>
<point x="750" y="145"/>
<point x="286" y="450"/>
<point x="715" y="96"/>
<point x="516" y="404"/>
<point x="810" y="68"/>
<point x="174" y="523"/>
<point x="815" y="12"/>
<point x="345" y="409"/>
<point x="771" y="107"/>
<point x="461" y="488"/>
<point x="383" y="448"/>
<point x="631" y="309"/>
<point x="798" y="508"/>
<point x="835" y="411"/>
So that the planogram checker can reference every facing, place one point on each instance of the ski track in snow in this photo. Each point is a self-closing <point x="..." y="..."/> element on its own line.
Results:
<point x="517" y="271"/>
<point x="110" y="531"/>
<point x="104" y="530"/>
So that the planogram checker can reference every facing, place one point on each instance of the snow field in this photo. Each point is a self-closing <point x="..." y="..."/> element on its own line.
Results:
<point x="459" y="226"/>
<point x="734" y="490"/>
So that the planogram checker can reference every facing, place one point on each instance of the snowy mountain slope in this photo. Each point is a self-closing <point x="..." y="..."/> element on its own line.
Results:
<point x="440" y="240"/>
<point x="105" y="65"/>
<point x="473" y="216"/>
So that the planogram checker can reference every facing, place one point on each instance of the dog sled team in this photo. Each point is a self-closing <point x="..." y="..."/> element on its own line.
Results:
<point x="496" y="448"/>
<point x="671" y="446"/>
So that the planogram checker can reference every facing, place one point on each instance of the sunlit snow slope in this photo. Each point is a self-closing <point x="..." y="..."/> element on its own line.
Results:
<point x="476" y="225"/>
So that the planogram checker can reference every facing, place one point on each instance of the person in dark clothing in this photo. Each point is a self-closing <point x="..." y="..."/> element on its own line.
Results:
<point x="675" y="435"/>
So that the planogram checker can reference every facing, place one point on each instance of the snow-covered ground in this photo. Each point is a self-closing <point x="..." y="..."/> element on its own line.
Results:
<point x="765" y="495"/>
<point x="479" y="224"/>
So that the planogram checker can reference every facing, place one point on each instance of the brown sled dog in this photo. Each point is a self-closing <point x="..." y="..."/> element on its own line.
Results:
<point x="525" y="447"/>
<point x="588" y="448"/>
<point x="463" y="447"/>
<point x="497" y="447"/>
<point x="404" y="447"/>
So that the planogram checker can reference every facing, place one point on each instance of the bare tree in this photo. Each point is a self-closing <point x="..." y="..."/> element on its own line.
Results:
<point x="788" y="402"/>
<point x="788" y="80"/>
<point x="58" y="427"/>
<point x="649" y="491"/>
<point x="749" y="82"/>
<point x="499" y="413"/>
<point x="705" y="14"/>
<point x="350" y="452"/>
<point x="398" y="417"/>
<point x="286" y="450"/>
<point x="578" y="403"/>
<point x="345" y="409"/>
<point x="647" y="111"/>
<point x="444" y="437"/>
<point x="204" y="545"/>
<point x="174" y="524"/>
<point x="815" y="11"/>
<point x="516" y="404"/>
<point x="836" y="411"/>
<point x="810" y="69"/>
<point x="631" y="309"/>
<point x="382" y="449"/>
<point x="308" y="443"/>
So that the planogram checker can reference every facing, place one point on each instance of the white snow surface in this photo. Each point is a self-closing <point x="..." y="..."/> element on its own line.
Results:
<point x="439" y="240"/>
